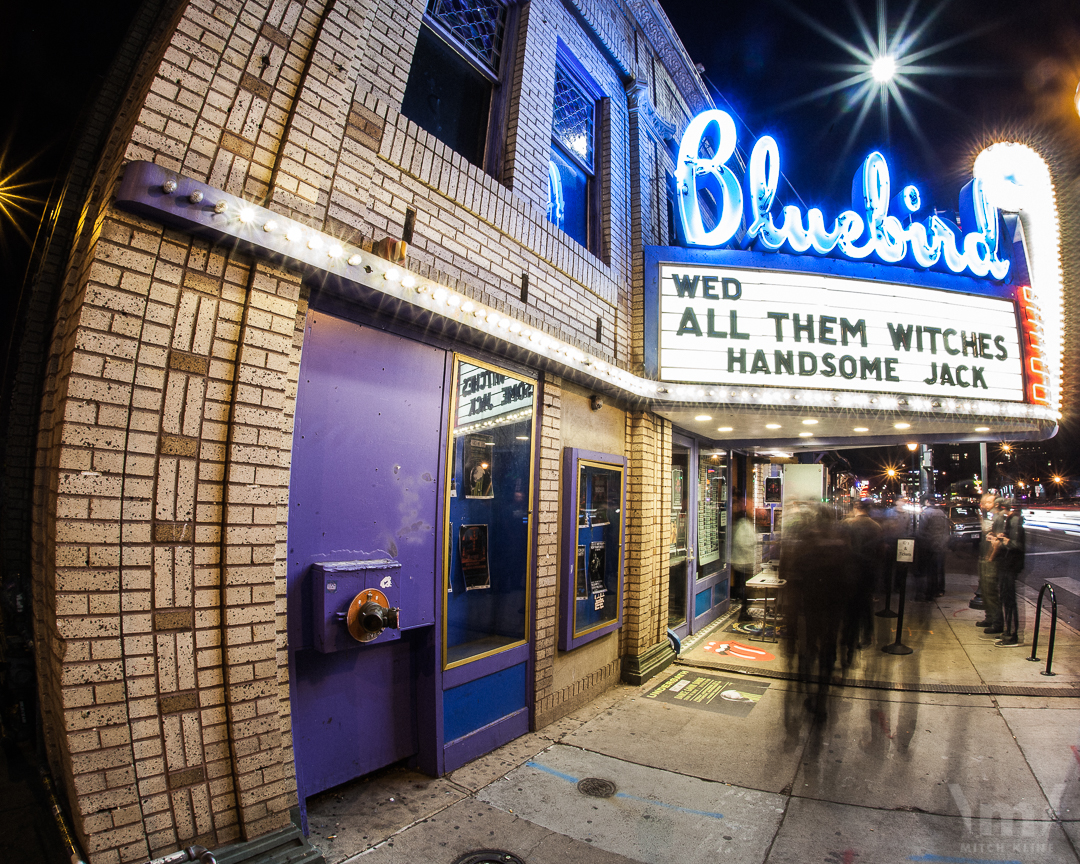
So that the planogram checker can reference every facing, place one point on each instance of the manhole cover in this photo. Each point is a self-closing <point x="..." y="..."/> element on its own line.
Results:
<point x="596" y="787"/>
<point x="489" y="856"/>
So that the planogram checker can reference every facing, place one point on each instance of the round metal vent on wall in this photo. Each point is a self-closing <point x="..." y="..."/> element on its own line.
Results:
<point x="489" y="856"/>
<point x="596" y="787"/>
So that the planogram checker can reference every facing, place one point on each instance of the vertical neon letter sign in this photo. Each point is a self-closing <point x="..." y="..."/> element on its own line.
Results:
<point x="693" y="173"/>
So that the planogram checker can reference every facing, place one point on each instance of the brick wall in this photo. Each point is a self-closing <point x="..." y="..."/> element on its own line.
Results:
<point x="163" y="450"/>
<point x="169" y="496"/>
<point x="547" y="542"/>
<point x="648" y="505"/>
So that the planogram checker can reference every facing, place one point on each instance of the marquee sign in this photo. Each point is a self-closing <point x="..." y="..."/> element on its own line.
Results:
<point x="877" y="301"/>
<point x="769" y="327"/>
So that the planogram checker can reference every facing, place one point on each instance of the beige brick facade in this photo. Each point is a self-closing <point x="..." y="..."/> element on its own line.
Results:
<point x="160" y="509"/>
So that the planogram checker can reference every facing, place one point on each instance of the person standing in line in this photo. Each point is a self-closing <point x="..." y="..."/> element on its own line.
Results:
<point x="932" y="539"/>
<point x="992" y="522"/>
<point x="1009" y="546"/>
<point x="743" y="556"/>
<point x="863" y="538"/>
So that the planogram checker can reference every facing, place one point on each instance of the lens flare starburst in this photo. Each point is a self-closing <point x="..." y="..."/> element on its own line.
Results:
<point x="15" y="200"/>
<point x="883" y="66"/>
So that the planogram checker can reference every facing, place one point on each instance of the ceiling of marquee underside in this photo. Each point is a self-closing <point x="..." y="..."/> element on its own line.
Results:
<point x="755" y="429"/>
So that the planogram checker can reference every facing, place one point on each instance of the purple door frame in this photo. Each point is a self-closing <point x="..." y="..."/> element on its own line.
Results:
<point x="365" y="483"/>
<point x="407" y="670"/>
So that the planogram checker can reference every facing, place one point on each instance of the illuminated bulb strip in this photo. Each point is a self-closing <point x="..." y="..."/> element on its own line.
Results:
<point x="282" y="236"/>
<point x="1017" y="180"/>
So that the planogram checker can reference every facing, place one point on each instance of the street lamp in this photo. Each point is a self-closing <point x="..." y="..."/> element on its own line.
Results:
<point x="883" y="69"/>
<point x="913" y="447"/>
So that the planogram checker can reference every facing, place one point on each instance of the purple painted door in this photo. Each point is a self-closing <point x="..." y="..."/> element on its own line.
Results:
<point x="364" y="485"/>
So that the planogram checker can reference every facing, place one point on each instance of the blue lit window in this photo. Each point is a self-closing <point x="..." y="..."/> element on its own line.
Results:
<point x="574" y="117"/>
<point x="571" y="166"/>
<point x="453" y="89"/>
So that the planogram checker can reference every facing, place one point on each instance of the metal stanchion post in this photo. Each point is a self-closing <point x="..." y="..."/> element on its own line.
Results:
<point x="887" y="611"/>
<point x="905" y="554"/>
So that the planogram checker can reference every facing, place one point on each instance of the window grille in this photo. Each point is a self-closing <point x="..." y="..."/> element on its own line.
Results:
<point x="476" y="24"/>
<point x="574" y="116"/>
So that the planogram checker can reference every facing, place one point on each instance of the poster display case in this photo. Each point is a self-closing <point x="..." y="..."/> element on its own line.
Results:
<point x="594" y="497"/>
<point x="489" y="489"/>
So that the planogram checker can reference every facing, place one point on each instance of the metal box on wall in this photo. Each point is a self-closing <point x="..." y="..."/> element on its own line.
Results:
<point x="341" y="590"/>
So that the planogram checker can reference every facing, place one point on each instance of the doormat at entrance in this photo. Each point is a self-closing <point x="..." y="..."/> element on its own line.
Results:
<point x="757" y="630"/>
<point x="694" y="689"/>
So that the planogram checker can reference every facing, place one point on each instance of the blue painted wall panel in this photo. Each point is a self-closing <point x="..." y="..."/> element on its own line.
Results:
<point x="703" y="602"/>
<point x="478" y="703"/>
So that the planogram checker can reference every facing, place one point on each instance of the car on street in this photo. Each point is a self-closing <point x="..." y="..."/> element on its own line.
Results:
<point x="965" y="522"/>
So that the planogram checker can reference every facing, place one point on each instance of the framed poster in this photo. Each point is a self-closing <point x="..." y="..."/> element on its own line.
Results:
<point x="773" y="491"/>
<point x="591" y="579"/>
<point x="473" y="549"/>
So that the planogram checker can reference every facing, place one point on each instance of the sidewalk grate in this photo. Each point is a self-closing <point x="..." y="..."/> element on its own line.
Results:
<point x="489" y="856"/>
<point x="596" y="787"/>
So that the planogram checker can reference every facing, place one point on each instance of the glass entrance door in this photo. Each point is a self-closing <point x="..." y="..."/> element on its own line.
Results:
<point x="711" y="576"/>
<point x="680" y="543"/>
<point x="698" y="571"/>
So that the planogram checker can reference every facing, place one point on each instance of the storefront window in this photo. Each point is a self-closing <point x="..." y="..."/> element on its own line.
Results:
<point x="489" y="494"/>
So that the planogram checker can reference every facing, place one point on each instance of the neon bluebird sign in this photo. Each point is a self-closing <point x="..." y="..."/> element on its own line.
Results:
<point x="868" y="231"/>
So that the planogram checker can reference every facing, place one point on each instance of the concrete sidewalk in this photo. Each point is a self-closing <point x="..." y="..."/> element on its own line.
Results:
<point x="703" y="764"/>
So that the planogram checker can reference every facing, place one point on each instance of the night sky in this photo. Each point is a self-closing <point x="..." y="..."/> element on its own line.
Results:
<point x="997" y="72"/>
<point x="1004" y="69"/>
<point x="53" y="56"/>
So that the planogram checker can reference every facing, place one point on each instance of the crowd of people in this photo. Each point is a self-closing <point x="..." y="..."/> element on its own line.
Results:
<point x="834" y="567"/>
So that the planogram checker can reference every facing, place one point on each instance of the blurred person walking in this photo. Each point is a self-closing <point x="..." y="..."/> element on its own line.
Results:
<point x="743" y="555"/>
<point x="931" y="542"/>
<point x="813" y="562"/>
<point x="864" y="540"/>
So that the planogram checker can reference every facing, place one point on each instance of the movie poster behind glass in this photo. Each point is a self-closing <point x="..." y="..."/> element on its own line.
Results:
<point x="478" y="468"/>
<point x="592" y="585"/>
<point x="597" y="566"/>
<point x="677" y="479"/>
<point x="473" y="549"/>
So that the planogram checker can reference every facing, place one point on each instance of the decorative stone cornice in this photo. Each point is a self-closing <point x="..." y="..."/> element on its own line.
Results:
<point x="666" y="43"/>
<point x="659" y="129"/>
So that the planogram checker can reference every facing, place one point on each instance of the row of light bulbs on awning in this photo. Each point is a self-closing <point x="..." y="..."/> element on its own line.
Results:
<point x="450" y="303"/>
<point x="772" y="427"/>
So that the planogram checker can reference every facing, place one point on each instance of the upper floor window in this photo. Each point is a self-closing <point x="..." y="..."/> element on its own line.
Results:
<point x="453" y="88"/>
<point x="572" y="194"/>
